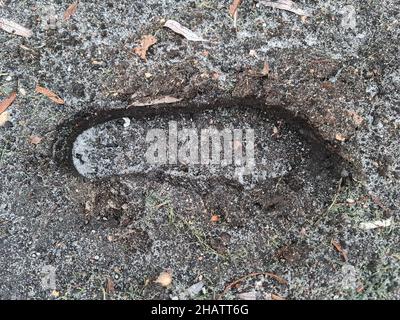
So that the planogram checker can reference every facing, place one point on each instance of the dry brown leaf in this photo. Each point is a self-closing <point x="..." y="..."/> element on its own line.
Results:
<point x="205" y="53"/>
<point x="250" y="275"/>
<point x="55" y="294"/>
<point x="339" y="248"/>
<point x="187" y="33"/>
<point x="7" y="102"/>
<point x="287" y="5"/>
<point x="4" y="117"/>
<point x="161" y="100"/>
<point x="277" y="297"/>
<point x="14" y="28"/>
<point x="50" y="94"/>
<point x="110" y="286"/>
<point x="146" y="42"/>
<point x="233" y="8"/>
<point x="257" y="73"/>
<point x="358" y="120"/>
<point x="71" y="10"/>
<point x="215" y="76"/>
<point x="164" y="279"/>
<point x="265" y="70"/>
<point x="340" y="137"/>
<point x="360" y="288"/>
<point x="35" y="140"/>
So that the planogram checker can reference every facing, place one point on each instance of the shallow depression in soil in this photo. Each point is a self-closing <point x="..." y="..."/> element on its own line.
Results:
<point x="241" y="146"/>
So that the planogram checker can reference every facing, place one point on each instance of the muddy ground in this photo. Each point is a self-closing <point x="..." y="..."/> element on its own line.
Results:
<point x="328" y="109"/>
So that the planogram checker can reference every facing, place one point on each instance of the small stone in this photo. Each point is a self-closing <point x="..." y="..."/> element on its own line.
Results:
<point x="22" y="91"/>
<point x="344" y="173"/>
<point x="127" y="122"/>
<point x="252" y="53"/>
<point x="247" y="296"/>
<point x="195" y="289"/>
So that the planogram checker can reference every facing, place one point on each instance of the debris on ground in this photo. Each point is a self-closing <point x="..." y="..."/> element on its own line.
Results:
<point x="287" y="5"/>
<point x="233" y="8"/>
<point x="376" y="224"/>
<point x="254" y="274"/>
<point x="35" y="140"/>
<point x="340" y="249"/>
<point x="15" y="28"/>
<point x="4" y="117"/>
<point x="187" y="33"/>
<point x="195" y="289"/>
<point x="164" y="279"/>
<point x="161" y="100"/>
<point x="71" y="10"/>
<point x="110" y="286"/>
<point x="7" y="102"/>
<point x="50" y="94"/>
<point x="146" y="42"/>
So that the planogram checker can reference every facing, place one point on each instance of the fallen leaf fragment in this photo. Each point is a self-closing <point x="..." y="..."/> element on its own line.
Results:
<point x="164" y="279"/>
<point x="233" y="8"/>
<point x="195" y="289"/>
<point x="71" y="10"/>
<point x="358" y="120"/>
<point x="55" y="294"/>
<point x="50" y="94"/>
<point x="250" y="275"/>
<point x="277" y="297"/>
<point x="187" y="33"/>
<point x="376" y="224"/>
<point x="4" y="117"/>
<point x="14" y="28"/>
<point x="161" y="100"/>
<point x="146" y="42"/>
<point x="110" y="286"/>
<point x="265" y="70"/>
<point x="340" y="137"/>
<point x="339" y="249"/>
<point x="287" y="5"/>
<point x="7" y="102"/>
<point x="249" y="296"/>
<point x="205" y="53"/>
<point x="215" y="76"/>
<point x="35" y="140"/>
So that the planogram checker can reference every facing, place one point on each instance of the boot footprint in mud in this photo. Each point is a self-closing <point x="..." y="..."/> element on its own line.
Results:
<point x="261" y="171"/>
<point x="231" y="145"/>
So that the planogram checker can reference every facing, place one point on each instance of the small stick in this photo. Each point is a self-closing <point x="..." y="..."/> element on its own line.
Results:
<point x="254" y="274"/>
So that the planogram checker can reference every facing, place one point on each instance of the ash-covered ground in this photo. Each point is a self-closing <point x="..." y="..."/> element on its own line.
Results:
<point x="334" y="76"/>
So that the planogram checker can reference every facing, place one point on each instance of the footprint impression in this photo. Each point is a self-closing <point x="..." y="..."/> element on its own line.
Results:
<point x="230" y="177"/>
